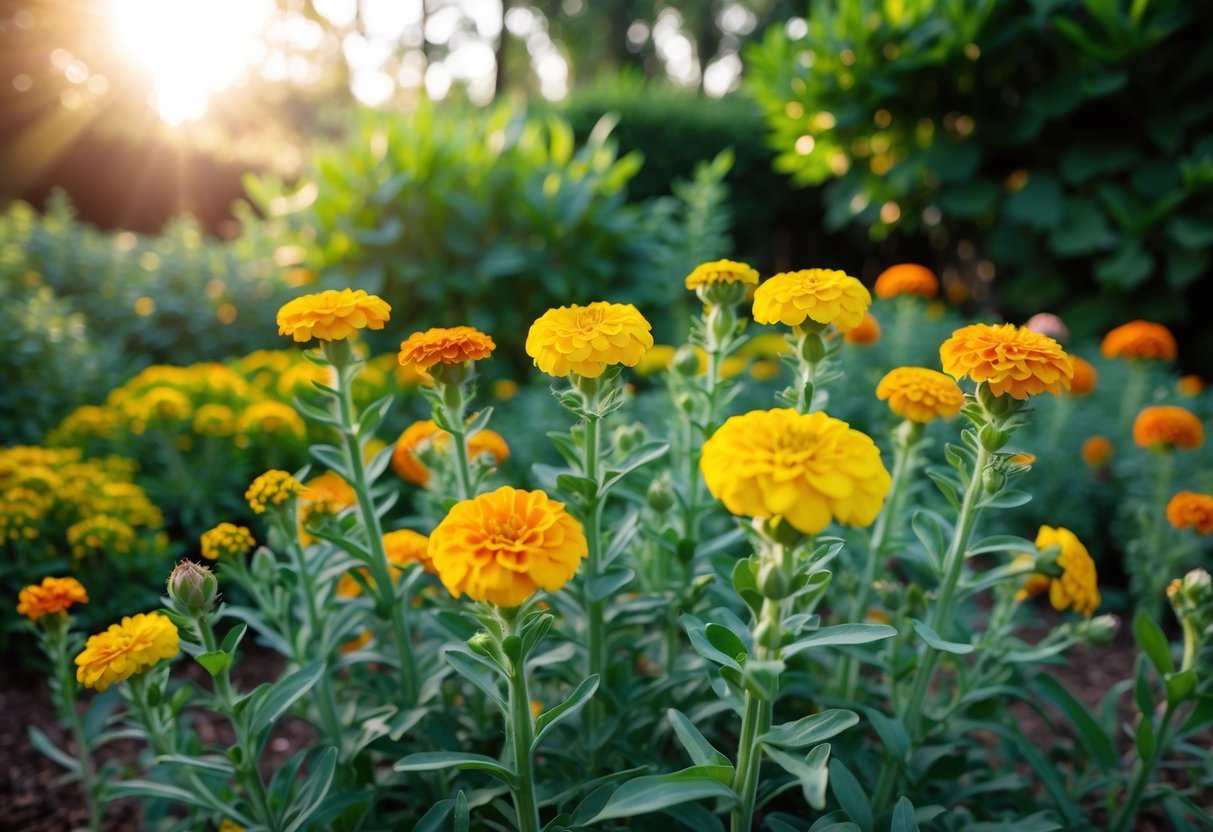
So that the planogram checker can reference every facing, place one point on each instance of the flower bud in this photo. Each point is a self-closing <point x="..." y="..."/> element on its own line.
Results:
<point x="993" y="479"/>
<point x="727" y="295"/>
<point x="1102" y="629"/>
<point x="998" y="408"/>
<point x="773" y="582"/>
<point x="722" y="323"/>
<point x="661" y="495"/>
<point x="686" y="362"/>
<point x="630" y="437"/>
<point x="812" y="348"/>
<point x="193" y="588"/>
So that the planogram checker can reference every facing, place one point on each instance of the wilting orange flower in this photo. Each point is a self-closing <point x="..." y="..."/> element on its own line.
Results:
<point x="920" y="394"/>
<point x="907" y="279"/>
<point x="1012" y="360"/>
<point x="827" y="296"/>
<point x="127" y="648"/>
<point x="1189" y="510"/>
<point x="587" y="339"/>
<point x="1168" y="426"/>
<point x="1140" y="339"/>
<point x="332" y="315"/>
<point x="1097" y="450"/>
<point x="1190" y="385"/>
<point x="503" y="546"/>
<point x="721" y="271"/>
<point x="1085" y="377"/>
<point x="419" y="436"/>
<point x="405" y="547"/>
<point x="52" y="596"/>
<point x="1077" y="587"/>
<point x="455" y="345"/>
<point x="868" y="331"/>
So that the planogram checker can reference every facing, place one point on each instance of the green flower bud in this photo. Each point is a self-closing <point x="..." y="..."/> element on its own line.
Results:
<point x="773" y="582"/>
<point x="193" y="588"/>
<point x="1102" y="629"/>
<point x="661" y="495"/>
<point x="812" y="348"/>
<point x="686" y="362"/>
<point x="993" y="479"/>
<point x="630" y="437"/>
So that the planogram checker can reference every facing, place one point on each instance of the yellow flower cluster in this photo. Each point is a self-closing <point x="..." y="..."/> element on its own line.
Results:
<point x="920" y="394"/>
<point x="332" y="315"/>
<point x="130" y="647"/>
<point x="273" y="488"/>
<point x="585" y="340"/>
<point x="1012" y="360"/>
<point x="102" y="535"/>
<point x="826" y="296"/>
<point x="272" y="419"/>
<point x="51" y="597"/>
<point x="227" y="540"/>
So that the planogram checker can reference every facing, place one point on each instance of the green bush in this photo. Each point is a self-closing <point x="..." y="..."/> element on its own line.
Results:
<point x="1068" y="143"/>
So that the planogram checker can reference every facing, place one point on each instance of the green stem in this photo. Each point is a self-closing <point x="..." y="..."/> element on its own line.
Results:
<point x="1154" y="568"/>
<point x="595" y="630"/>
<point x="756" y="715"/>
<point x="1134" y="394"/>
<point x="522" y="735"/>
<point x="58" y="632"/>
<point x="1141" y="775"/>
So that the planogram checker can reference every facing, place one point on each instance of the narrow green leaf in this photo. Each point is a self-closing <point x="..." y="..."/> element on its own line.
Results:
<point x="1090" y="734"/>
<point x="438" y="760"/>
<point x="903" y="816"/>
<point x="935" y="641"/>
<point x="850" y="795"/>
<point x="577" y="700"/>
<point x="841" y="634"/>
<point x="656" y="792"/>
<point x="1153" y="643"/>
<point x="601" y="587"/>
<point x="812" y="772"/>
<point x="701" y="751"/>
<point x="810" y="730"/>
<point x="43" y="743"/>
<point x="215" y="661"/>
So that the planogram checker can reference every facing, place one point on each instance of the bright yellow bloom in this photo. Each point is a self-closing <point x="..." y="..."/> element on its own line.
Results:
<point x="273" y="488"/>
<point x="455" y="345"/>
<point x="656" y="360"/>
<point x="1190" y="386"/>
<point x="215" y="420"/>
<point x="920" y="394"/>
<point x="405" y="547"/>
<point x="332" y="315"/>
<point x="1085" y="377"/>
<point x="272" y="418"/>
<point x="587" y="339"/>
<point x="1189" y="510"/>
<point x="1097" y="450"/>
<point x="826" y="296"/>
<point x="503" y="546"/>
<point x="721" y="271"/>
<point x="1140" y="340"/>
<point x="326" y="495"/>
<point x="868" y="331"/>
<point x="424" y="435"/>
<point x="808" y="469"/>
<point x="504" y="389"/>
<point x="907" y="279"/>
<point x="1078" y="586"/>
<point x="227" y="540"/>
<point x="100" y="534"/>
<point x="157" y="407"/>
<point x="52" y="596"/>
<point x="1168" y="426"/>
<point x="131" y="647"/>
<point x="1012" y="360"/>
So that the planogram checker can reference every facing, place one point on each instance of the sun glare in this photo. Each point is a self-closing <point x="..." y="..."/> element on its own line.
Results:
<point x="190" y="48"/>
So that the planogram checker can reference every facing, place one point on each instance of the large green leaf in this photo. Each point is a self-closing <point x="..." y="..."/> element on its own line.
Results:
<point x="810" y="730"/>
<point x="656" y="792"/>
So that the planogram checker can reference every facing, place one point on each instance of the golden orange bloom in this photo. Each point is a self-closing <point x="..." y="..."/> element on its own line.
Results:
<point x="808" y="469"/>
<point x="455" y="345"/>
<point x="1012" y="360"/>
<point x="332" y="315"/>
<point x="1078" y="586"/>
<point x="52" y="596"/>
<point x="1141" y="340"/>
<point x="419" y="436"/>
<point x="868" y="331"/>
<point x="1024" y="459"/>
<point x="405" y="547"/>
<point x="920" y="394"/>
<point x="721" y="271"/>
<point x="503" y="546"/>
<point x="907" y="279"/>
<point x="326" y="495"/>
<point x="127" y="648"/>
<point x="1097" y="450"/>
<point x="826" y="296"/>
<point x="504" y="389"/>
<point x="1189" y="510"/>
<point x="587" y="339"/>
<point x="1168" y="426"/>
<point x="273" y="488"/>
<point x="356" y="643"/>
<point x="1190" y="385"/>
<point x="1085" y="377"/>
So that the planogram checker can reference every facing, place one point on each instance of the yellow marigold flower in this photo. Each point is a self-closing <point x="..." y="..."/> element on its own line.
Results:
<point x="504" y="389"/>
<point x="157" y="407"/>
<point x="227" y="540"/>
<point x="1097" y="451"/>
<point x="826" y="296"/>
<point x="101" y="534"/>
<point x="1189" y="510"/>
<point x="270" y="418"/>
<point x="421" y="436"/>
<point x="764" y="370"/>
<point x="1190" y="386"/>
<point x="52" y="596"/>
<point x="808" y="469"/>
<point x="1035" y="583"/>
<point x="21" y="513"/>
<point x="1012" y="360"/>
<point x="1078" y="586"/>
<point x="405" y="547"/>
<point x="131" y="647"/>
<point x="907" y="279"/>
<point x="455" y="345"/>
<point x="1140" y="340"/>
<point x="767" y="345"/>
<point x="503" y="546"/>
<point x="332" y="315"/>
<point x="1168" y="426"/>
<point x="656" y="360"/>
<point x="587" y="339"/>
<point x="215" y="420"/>
<point x="273" y="488"/>
<point x="300" y="378"/>
<point x="721" y="271"/>
<point x="1085" y="377"/>
<point x="920" y="394"/>
<point x="868" y="331"/>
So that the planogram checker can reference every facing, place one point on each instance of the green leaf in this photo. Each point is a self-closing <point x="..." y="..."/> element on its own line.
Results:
<point x="810" y="730"/>
<point x="1153" y="643"/>
<point x="1191" y="232"/>
<point x="312" y="792"/>
<point x="1038" y="204"/>
<point x="440" y="760"/>
<point x="892" y="733"/>
<point x="1144" y="738"/>
<point x="930" y="533"/>
<point x="39" y="740"/>
<point x="850" y="795"/>
<point x="479" y="671"/>
<point x="702" y="752"/>
<point x="1090" y="734"/>
<point x="656" y="792"/>
<point x="812" y="772"/>
<point x="601" y="587"/>
<point x="927" y="633"/>
<point x="275" y="700"/>
<point x="841" y="634"/>
<point x="1141" y="688"/>
<point x="1002" y="543"/>
<point x="233" y="638"/>
<point x="212" y="763"/>
<point x="697" y="633"/>
<point x="646" y="453"/>
<point x="903" y="816"/>
<point x="1125" y="269"/>
<point x="577" y="700"/>
<point x="727" y="642"/>
<point x="1180" y="686"/>
<point x="215" y="661"/>
<point x="163" y="791"/>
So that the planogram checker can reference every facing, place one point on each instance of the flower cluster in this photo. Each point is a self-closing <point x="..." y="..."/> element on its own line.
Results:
<point x="721" y="271"/>
<point x="423" y="437"/>
<point x="273" y="488"/>
<point x="226" y="540"/>
<point x="1190" y="510"/>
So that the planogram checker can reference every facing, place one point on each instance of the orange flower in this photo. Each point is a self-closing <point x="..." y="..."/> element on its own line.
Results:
<point x="1012" y="360"/>
<point x="868" y="331"/>
<point x="920" y="394"/>
<point x="423" y="350"/>
<point x="419" y="436"/>
<point x="1141" y="340"/>
<point x="907" y="279"/>
<point x="1097" y="451"/>
<point x="53" y="595"/>
<point x="405" y="547"/>
<point x="1189" y="510"/>
<point x="1190" y="386"/>
<point x="1168" y="426"/>
<point x="1085" y="377"/>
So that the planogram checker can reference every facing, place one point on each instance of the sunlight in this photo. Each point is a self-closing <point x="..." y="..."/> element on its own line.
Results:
<point x="190" y="48"/>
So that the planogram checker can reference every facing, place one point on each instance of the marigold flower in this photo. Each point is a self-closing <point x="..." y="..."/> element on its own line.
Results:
<point x="273" y="488"/>
<point x="656" y="360"/>
<point x="1035" y="583"/>
<point x="503" y="546"/>
<point x="272" y="419"/>
<point x="808" y="469"/>
<point x="920" y="394"/>
<point x="405" y="547"/>
<point x="215" y="420"/>
<point x="101" y="534"/>
<point x="52" y="596"/>
<point x="455" y="345"/>
<point x="1168" y="426"/>
<point x="1189" y="510"/>
<point x="1190" y="385"/>
<point x="587" y="339"/>
<point x="868" y="331"/>
<point x="504" y="389"/>
<point x="127" y="648"/>
<point x="421" y="436"/>
<point x="1085" y="377"/>
<point x="1140" y="340"/>
<point x="907" y="279"/>
<point x="332" y="315"/>
<point x="1012" y="360"/>
<point x="721" y="271"/>
<point x="227" y="540"/>
<point x="1078" y="587"/>
<point x="21" y="513"/>
<point x="1097" y="451"/>
<point x="826" y="296"/>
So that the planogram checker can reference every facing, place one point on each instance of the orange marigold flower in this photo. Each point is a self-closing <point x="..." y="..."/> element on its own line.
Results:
<point x="405" y="547"/>
<point x="721" y="271"/>
<point x="868" y="331"/>
<point x="1140" y="339"/>
<point x="326" y="495"/>
<point x="53" y="595"/>
<point x="1012" y="360"/>
<point x="1168" y="426"/>
<point x="420" y="436"/>
<point x="332" y="315"/>
<point x="503" y="546"/>
<point x="1189" y="510"/>
<point x="1085" y="377"/>
<point x="1097" y="450"/>
<point x="907" y="279"/>
<point x="1190" y="385"/>
<point x="127" y="648"/>
<point x="827" y="296"/>
<point x="587" y="339"/>
<point x="920" y="394"/>
<point x="455" y="345"/>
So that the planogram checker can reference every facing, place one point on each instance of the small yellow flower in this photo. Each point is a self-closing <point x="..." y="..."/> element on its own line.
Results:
<point x="920" y="394"/>
<point x="332" y="315"/>
<point x="504" y="389"/>
<point x="826" y="296"/>
<point x="1097" y="451"/>
<point x="1142" y="340"/>
<point x="133" y="646"/>
<point x="907" y="279"/>
<point x="587" y="339"/>
<point x="868" y="331"/>
<point x="270" y="418"/>
<point x="273" y="488"/>
<point x="215" y="420"/>
<point x="455" y="345"/>
<point x="1012" y="360"/>
<point x="1078" y="586"/>
<point x="52" y="596"/>
<point x="405" y="547"/>
<point x="1189" y="510"/>
<point x="227" y="540"/>
<point x="100" y="534"/>
<point x="1168" y="426"/>
<point x="721" y="271"/>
